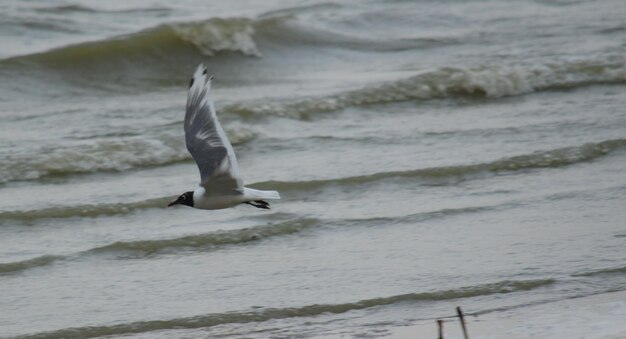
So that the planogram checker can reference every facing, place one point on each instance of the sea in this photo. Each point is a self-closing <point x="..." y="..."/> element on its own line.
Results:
<point x="429" y="155"/>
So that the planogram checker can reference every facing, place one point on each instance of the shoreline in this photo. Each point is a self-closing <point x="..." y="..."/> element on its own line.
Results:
<point x="594" y="316"/>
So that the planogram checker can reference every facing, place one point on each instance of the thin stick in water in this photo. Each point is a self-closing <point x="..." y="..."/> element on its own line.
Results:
<point x="462" y="320"/>
<point x="440" y="326"/>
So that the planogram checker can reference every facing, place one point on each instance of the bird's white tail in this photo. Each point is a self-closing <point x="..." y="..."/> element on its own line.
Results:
<point x="253" y="194"/>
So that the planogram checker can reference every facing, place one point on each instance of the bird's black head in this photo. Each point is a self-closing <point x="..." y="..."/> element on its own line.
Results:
<point x="184" y="199"/>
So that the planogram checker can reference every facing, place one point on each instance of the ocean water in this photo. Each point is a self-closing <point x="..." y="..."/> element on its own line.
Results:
<point x="429" y="154"/>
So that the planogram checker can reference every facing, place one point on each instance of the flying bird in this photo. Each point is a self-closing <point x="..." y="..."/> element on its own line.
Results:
<point x="220" y="184"/>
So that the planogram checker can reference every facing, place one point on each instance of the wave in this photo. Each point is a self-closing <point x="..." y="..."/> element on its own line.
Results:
<point x="168" y="42"/>
<point x="144" y="248"/>
<point x="85" y="211"/>
<point x="214" y="240"/>
<point x="492" y="81"/>
<point x="210" y="240"/>
<point x="102" y="156"/>
<point x="452" y="174"/>
<point x="73" y="8"/>
<point x="17" y="266"/>
<point x="169" y="49"/>
<point x="422" y="216"/>
<point x="545" y="159"/>
<point x="607" y="271"/>
<point x="266" y="314"/>
<point x="136" y="152"/>
<point x="246" y="235"/>
<point x="92" y="211"/>
<point x="116" y="155"/>
<point x="164" y="42"/>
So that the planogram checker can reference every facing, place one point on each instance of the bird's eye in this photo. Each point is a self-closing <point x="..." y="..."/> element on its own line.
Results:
<point x="182" y="197"/>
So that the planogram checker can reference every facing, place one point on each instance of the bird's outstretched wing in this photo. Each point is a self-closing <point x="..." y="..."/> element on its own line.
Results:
<point x="206" y="140"/>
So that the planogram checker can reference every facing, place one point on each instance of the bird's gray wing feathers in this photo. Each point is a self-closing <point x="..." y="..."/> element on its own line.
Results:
<point x="206" y="140"/>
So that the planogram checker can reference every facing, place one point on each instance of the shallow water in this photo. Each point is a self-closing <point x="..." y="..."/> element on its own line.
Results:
<point x="428" y="154"/>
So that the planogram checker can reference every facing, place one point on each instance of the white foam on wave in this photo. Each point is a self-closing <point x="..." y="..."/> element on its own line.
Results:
<point x="106" y="155"/>
<point x="217" y="34"/>
<point x="491" y="81"/>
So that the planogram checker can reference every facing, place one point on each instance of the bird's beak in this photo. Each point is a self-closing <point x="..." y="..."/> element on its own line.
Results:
<point x="175" y="202"/>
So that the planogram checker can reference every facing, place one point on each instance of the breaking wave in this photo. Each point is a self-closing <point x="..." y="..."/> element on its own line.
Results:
<point x="266" y="314"/>
<point x="168" y="42"/>
<point x="104" y="156"/>
<point x="113" y="155"/>
<point x="491" y="81"/>
<point x="159" y="43"/>
<point x="163" y="49"/>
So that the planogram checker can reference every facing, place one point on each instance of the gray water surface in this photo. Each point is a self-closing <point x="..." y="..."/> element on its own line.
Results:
<point x="428" y="155"/>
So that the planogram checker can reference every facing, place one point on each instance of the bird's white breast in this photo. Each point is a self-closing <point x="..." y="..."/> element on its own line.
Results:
<point x="207" y="202"/>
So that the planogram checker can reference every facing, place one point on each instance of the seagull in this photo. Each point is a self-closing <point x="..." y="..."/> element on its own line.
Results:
<point x="220" y="184"/>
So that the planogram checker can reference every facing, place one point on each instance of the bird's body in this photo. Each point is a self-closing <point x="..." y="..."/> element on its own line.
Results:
<point x="220" y="184"/>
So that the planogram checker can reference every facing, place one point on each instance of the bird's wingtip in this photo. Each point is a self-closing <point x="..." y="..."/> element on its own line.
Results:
<point x="200" y="76"/>
<point x="201" y="70"/>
